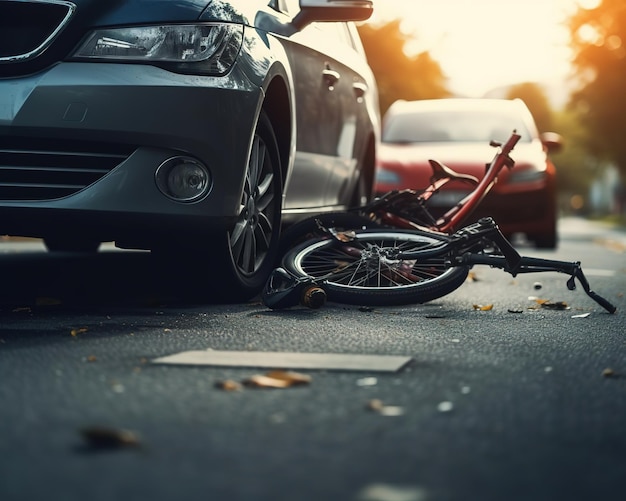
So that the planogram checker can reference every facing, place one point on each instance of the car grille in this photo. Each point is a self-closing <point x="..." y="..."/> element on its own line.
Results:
<point x="28" y="28"/>
<point x="37" y="169"/>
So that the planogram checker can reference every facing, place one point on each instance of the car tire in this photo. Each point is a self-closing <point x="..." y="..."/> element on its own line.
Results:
<point x="549" y="241"/>
<point x="237" y="263"/>
<point x="250" y="248"/>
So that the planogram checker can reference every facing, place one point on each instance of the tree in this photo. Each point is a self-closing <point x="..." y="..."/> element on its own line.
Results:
<point x="400" y="76"/>
<point x="599" y="43"/>
<point x="576" y="168"/>
<point x="537" y="102"/>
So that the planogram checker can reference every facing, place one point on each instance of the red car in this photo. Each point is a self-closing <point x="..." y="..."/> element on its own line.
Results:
<point x="457" y="133"/>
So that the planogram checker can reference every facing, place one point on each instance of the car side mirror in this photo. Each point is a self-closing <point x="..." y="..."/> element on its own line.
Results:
<point x="332" y="11"/>
<point x="552" y="141"/>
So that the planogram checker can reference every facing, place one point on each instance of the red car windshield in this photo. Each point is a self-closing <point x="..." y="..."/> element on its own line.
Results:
<point x="452" y="126"/>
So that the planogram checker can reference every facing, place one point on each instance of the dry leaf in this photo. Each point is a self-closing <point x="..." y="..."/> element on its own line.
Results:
<point x="472" y="277"/>
<point x="109" y="438"/>
<point x="375" y="404"/>
<point x="75" y="332"/>
<point x="486" y="307"/>
<point x="558" y="305"/>
<point x="229" y="385"/>
<point x="608" y="372"/>
<point x="293" y="378"/>
<point x="260" y="381"/>
<point x="391" y="410"/>
<point x="343" y="236"/>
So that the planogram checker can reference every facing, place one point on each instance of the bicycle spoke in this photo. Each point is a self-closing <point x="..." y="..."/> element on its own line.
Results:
<point x="350" y="265"/>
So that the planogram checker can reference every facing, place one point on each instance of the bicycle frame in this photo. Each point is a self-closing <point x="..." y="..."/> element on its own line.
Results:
<point x="479" y="243"/>
<point x="383" y="208"/>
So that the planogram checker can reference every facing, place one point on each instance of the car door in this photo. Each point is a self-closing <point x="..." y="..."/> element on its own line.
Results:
<point x="326" y="115"/>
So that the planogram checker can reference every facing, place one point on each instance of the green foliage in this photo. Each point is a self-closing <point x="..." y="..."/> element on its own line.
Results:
<point x="398" y="75"/>
<point x="599" y="42"/>
<point x="576" y="169"/>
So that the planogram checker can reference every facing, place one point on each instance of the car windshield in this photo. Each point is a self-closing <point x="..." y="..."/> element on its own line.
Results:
<point x="453" y="126"/>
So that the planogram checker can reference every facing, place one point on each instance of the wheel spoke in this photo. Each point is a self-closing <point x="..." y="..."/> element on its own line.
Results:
<point x="251" y="237"/>
<point x="253" y="164"/>
<point x="236" y="234"/>
<point x="370" y="264"/>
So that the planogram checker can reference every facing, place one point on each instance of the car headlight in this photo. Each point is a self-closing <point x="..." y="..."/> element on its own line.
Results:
<point x="185" y="48"/>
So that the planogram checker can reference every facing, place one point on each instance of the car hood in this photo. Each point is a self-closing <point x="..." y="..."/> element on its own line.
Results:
<point x="111" y="12"/>
<point x="456" y="153"/>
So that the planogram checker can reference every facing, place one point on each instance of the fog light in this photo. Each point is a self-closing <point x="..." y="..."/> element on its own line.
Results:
<point x="183" y="179"/>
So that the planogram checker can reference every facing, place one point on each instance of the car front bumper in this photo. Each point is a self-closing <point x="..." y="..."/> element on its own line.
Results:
<point x="137" y="117"/>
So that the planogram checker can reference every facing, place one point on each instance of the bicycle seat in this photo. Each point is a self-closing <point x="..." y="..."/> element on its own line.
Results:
<point x="441" y="171"/>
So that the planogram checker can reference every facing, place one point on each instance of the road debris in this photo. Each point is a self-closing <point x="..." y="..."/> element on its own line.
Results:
<point x="610" y="373"/>
<point x="229" y="385"/>
<point x="367" y="381"/>
<point x="549" y="305"/>
<point x="261" y="381"/>
<point x="377" y="405"/>
<point x="445" y="406"/>
<point x="287" y="360"/>
<point x="388" y="492"/>
<point x="271" y="379"/>
<point x="483" y="307"/>
<point x="109" y="438"/>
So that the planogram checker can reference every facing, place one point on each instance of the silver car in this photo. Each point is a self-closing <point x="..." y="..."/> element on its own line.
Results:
<point x="192" y="128"/>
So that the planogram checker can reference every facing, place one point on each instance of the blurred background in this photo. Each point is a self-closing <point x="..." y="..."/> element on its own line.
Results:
<point x="566" y="59"/>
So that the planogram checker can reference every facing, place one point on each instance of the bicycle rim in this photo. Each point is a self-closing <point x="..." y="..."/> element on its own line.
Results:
<point x="365" y="270"/>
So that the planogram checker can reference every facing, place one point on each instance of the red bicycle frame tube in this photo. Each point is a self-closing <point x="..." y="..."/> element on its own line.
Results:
<point x="452" y="219"/>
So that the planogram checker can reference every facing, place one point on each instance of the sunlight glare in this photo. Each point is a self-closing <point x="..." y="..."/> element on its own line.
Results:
<point x="485" y="44"/>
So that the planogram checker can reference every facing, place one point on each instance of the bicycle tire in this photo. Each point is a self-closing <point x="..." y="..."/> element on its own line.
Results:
<point x="363" y="271"/>
<point x="308" y="228"/>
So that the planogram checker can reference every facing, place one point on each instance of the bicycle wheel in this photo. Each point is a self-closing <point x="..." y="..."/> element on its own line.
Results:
<point x="307" y="229"/>
<point x="366" y="270"/>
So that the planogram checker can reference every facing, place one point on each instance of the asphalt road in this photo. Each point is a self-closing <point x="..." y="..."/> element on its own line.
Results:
<point x="518" y="402"/>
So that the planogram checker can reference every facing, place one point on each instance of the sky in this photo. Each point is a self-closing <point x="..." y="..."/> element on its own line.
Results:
<point x="485" y="44"/>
